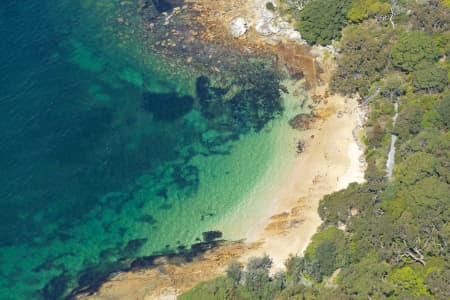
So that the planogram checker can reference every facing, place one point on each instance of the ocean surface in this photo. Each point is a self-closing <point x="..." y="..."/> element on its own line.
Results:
<point x="103" y="157"/>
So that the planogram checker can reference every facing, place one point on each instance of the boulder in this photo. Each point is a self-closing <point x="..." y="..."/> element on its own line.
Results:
<point x="238" y="27"/>
<point x="302" y="121"/>
<point x="263" y="28"/>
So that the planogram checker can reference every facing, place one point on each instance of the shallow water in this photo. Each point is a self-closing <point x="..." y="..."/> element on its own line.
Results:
<point x="105" y="158"/>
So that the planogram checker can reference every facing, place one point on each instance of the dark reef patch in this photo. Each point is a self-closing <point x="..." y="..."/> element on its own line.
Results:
<point x="167" y="107"/>
<point x="132" y="247"/>
<point x="55" y="288"/>
<point x="147" y="219"/>
<point x="92" y="278"/>
<point x="187" y="178"/>
<point x="209" y="236"/>
<point x="166" y="5"/>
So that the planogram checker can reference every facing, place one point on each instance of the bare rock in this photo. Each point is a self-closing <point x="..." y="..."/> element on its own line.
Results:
<point x="302" y="121"/>
<point x="263" y="28"/>
<point x="238" y="27"/>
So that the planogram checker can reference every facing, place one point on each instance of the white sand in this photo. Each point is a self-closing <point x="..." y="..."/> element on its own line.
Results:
<point x="330" y="162"/>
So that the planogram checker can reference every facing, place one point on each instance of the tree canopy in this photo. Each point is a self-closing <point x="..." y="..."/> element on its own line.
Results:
<point x="413" y="48"/>
<point x="430" y="78"/>
<point x="358" y="69"/>
<point x="385" y="238"/>
<point x="321" y="21"/>
<point x="362" y="9"/>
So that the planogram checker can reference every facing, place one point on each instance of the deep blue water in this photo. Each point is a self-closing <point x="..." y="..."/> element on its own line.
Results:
<point x="73" y="128"/>
<point x="54" y="144"/>
<point x="97" y="148"/>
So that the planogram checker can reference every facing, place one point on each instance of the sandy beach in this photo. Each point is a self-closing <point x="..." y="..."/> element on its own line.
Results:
<point x="288" y="218"/>
<point x="330" y="162"/>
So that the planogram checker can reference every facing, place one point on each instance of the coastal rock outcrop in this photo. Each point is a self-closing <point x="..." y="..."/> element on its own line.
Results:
<point x="238" y="27"/>
<point x="302" y="121"/>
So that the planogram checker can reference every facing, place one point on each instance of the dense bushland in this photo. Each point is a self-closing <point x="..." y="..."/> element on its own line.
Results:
<point x="381" y="239"/>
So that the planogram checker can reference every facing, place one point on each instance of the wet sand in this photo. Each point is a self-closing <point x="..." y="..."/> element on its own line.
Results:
<point x="330" y="162"/>
<point x="286" y="221"/>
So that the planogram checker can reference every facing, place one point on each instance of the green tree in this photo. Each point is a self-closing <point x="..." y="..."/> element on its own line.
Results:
<point x="416" y="167"/>
<point x="413" y="48"/>
<point x="405" y="279"/>
<point x="219" y="289"/>
<point x="408" y="121"/>
<point x="257" y="279"/>
<point x="432" y="16"/>
<point x="393" y="85"/>
<point x="326" y="255"/>
<point x="365" y="280"/>
<point x="321" y="21"/>
<point x="430" y="78"/>
<point x="234" y="272"/>
<point x="295" y="266"/>
<point x="337" y="207"/>
<point x="362" y="9"/>
<point x="362" y="60"/>
<point x="444" y="110"/>
<point x="438" y="283"/>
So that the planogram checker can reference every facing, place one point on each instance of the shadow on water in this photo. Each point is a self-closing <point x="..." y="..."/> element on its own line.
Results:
<point x="167" y="107"/>
<point x="92" y="278"/>
<point x="166" y="5"/>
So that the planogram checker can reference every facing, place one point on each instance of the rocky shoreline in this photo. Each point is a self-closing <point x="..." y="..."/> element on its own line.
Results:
<point x="211" y="38"/>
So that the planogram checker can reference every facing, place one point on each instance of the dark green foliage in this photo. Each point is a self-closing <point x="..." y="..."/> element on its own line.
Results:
<point x="430" y="78"/>
<point x="270" y="6"/>
<point x="323" y="256"/>
<point x="393" y="241"/>
<point x="337" y="207"/>
<point x="438" y="283"/>
<point x="366" y="280"/>
<point x="413" y="48"/>
<point x="257" y="276"/>
<point x="362" y="60"/>
<point x="296" y="292"/>
<point x="431" y="16"/>
<point x="259" y="263"/>
<point x="234" y="272"/>
<point x="321" y="21"/>
<point x="326" y="256"/>
<point x="444" y="110"/>
<point x="295" y="266"/>
<point x="256" y="281"/>
<point x="375" y="135"/>
<point x="408" y="122"/>
<point x="220" y="289"/>
<point x="393" y="85"/>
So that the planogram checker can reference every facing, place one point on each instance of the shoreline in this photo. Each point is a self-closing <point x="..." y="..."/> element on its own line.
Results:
<point x="289" y="219"/>
<point x="330" y="162"/>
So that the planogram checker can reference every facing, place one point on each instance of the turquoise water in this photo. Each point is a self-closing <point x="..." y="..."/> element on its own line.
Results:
<point x="106" y="157"/>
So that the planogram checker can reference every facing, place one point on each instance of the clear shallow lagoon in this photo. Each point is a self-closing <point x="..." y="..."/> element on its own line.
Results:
<point x="93" y="173"/>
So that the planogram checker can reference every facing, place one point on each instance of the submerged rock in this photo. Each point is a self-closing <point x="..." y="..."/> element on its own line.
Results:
<point x="301" y="121"/>
<point x="167" y="107"/>
<point x="238" y="27"/>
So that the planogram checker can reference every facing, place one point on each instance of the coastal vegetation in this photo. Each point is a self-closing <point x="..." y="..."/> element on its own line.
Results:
<point x="321" y="21"/>
<point x="382" y="239"/>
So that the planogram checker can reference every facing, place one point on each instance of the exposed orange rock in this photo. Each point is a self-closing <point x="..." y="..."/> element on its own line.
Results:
<point x="289" y="230"/>
<point x="170" y="277"/>
<point x="215" y="17"/>
<point x="281" y="223"/>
